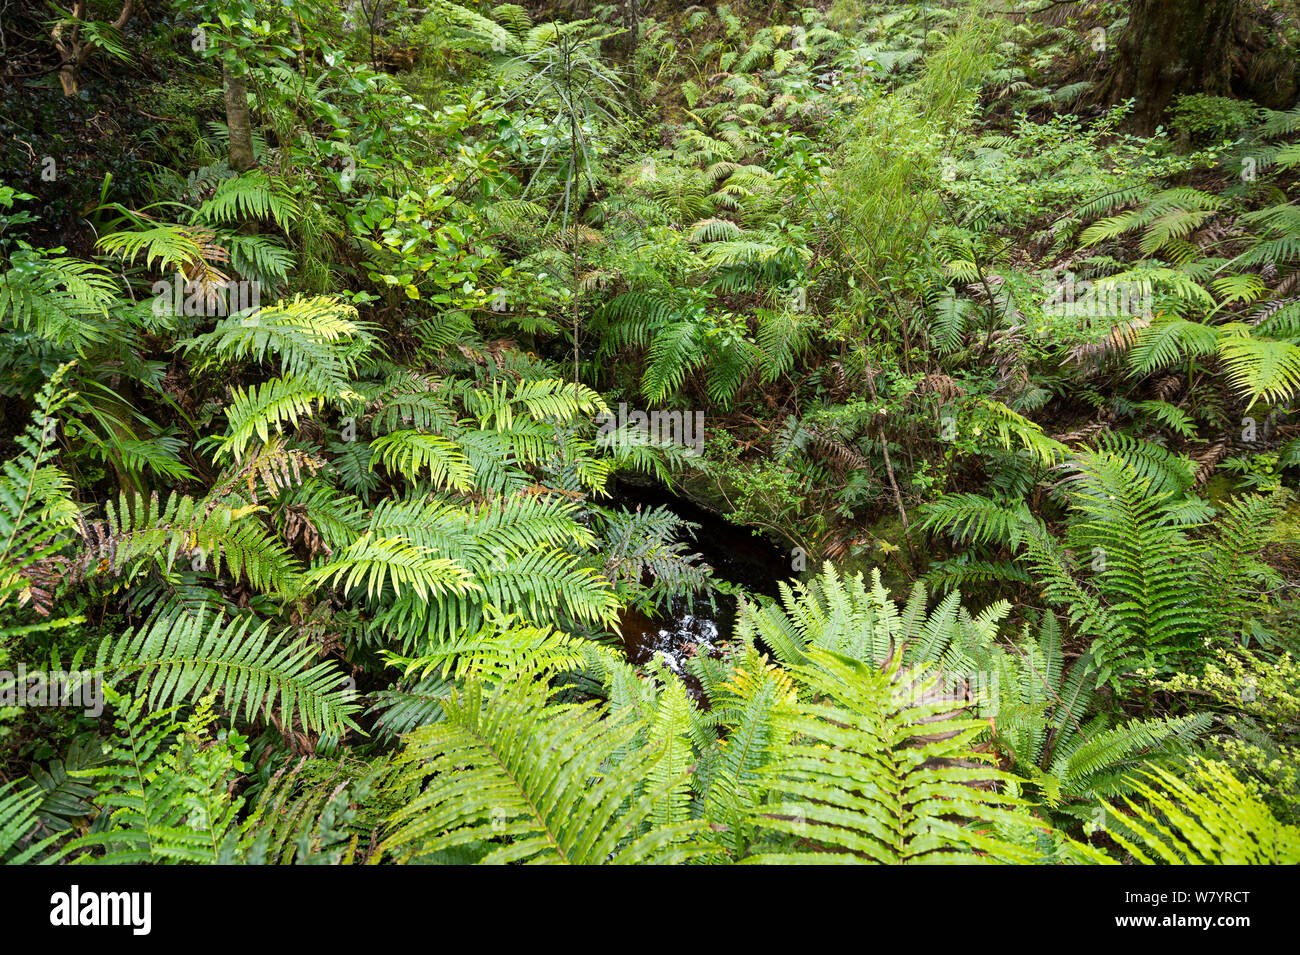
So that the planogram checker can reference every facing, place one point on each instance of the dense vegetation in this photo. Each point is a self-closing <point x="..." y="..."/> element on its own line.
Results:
<point x="993" y="329"/>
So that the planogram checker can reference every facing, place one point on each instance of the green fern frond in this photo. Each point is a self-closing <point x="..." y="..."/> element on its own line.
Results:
<point x="316" y="340"/>
<point x="1260" y="369"/>
<point x="510" y="778"/>
<point x="250" y="195"/>
<point x="393" y="562"/>
<point x="872" y="773"/>
<point x="18" y="827"/>
<point x="261" y="411"/>
<point x="412" y="453"/>
<point x="166" y="790"/>
<point x="184" y="658"/>
<point x="1205" y="817"/>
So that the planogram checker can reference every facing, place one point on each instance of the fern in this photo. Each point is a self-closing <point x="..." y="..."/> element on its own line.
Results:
<point x="19" y="844"/>
<point x="864" y="778"/>
<point x="317" y="340"/>
<point x="748" y="698"/>
<point x="59" y="299"/>
<point x="507" y="778"/>
<point x="1128" y="520"/>
<point x="676" y="351"/>
<point x="208" y="535"/>
<point x="36" y="509"/>
<point x="311" y="814"/>
<point x="1169" y="341"/>
<point x="975" y="519"/>
<point x="394" y="562"/>
<point x="165" y="790"/>
<point x="1164" y="217"/>
<point x="1207" y="817"/>
<point x="258" y="412"/>
<point x="185" y="657"/>
<point x="410" y="453"/>
<point x="251" y="195"/>
<point x="1042" y="724"/>
<point x="1260" y="369"/>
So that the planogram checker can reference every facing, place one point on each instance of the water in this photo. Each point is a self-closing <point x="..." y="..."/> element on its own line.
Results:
<point x="693" y="627"/>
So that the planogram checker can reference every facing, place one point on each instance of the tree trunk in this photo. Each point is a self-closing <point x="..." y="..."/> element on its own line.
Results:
<point x="238" y="120"/>
<point x="1171" y="47"/>
<point x="73" y="49"/>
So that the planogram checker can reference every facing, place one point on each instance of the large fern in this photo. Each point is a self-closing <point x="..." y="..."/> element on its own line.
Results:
<point x="1206" y="817"/>
<point x="864" y="772"/>
<point x="252" y="669"/>
<point x="505" y="777"/>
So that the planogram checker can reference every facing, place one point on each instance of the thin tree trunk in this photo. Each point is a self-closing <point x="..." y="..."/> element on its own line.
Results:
<point x="577" y="291"/>
<point x="577" y="287"/>
<point x="893" y="481"/>
<point x="573" y="178"/>
<point x="238" y="120"/>
<point x="73" y="50"/>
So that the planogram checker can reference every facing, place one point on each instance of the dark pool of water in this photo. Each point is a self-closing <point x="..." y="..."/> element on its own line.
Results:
<point x="699" y="627"/>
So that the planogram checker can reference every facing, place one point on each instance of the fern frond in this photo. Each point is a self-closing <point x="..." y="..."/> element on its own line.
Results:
<point x="513" y="779"/>
<point x="870" y="775"/>
<point x="1205" y="817"/>
<point x="184" y="658"/>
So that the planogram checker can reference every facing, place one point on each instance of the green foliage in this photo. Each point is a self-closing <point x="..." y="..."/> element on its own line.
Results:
<point x="187" y="657"/>
<point x="164" y="791"/>
<point x="36" y="509"/>
<point x="548" y="780"/>
<point x="1046" y="721"/>
<point x="56" y="298"/>
<point x="315" y="340"/>
<point x="881" y="774"/>
<point x="348" y="559"/>
<point x="1204" y="818"/>
<point x="843" y="617"/>
<point x="18" y="823"/>
<point x="210" y="535"/>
